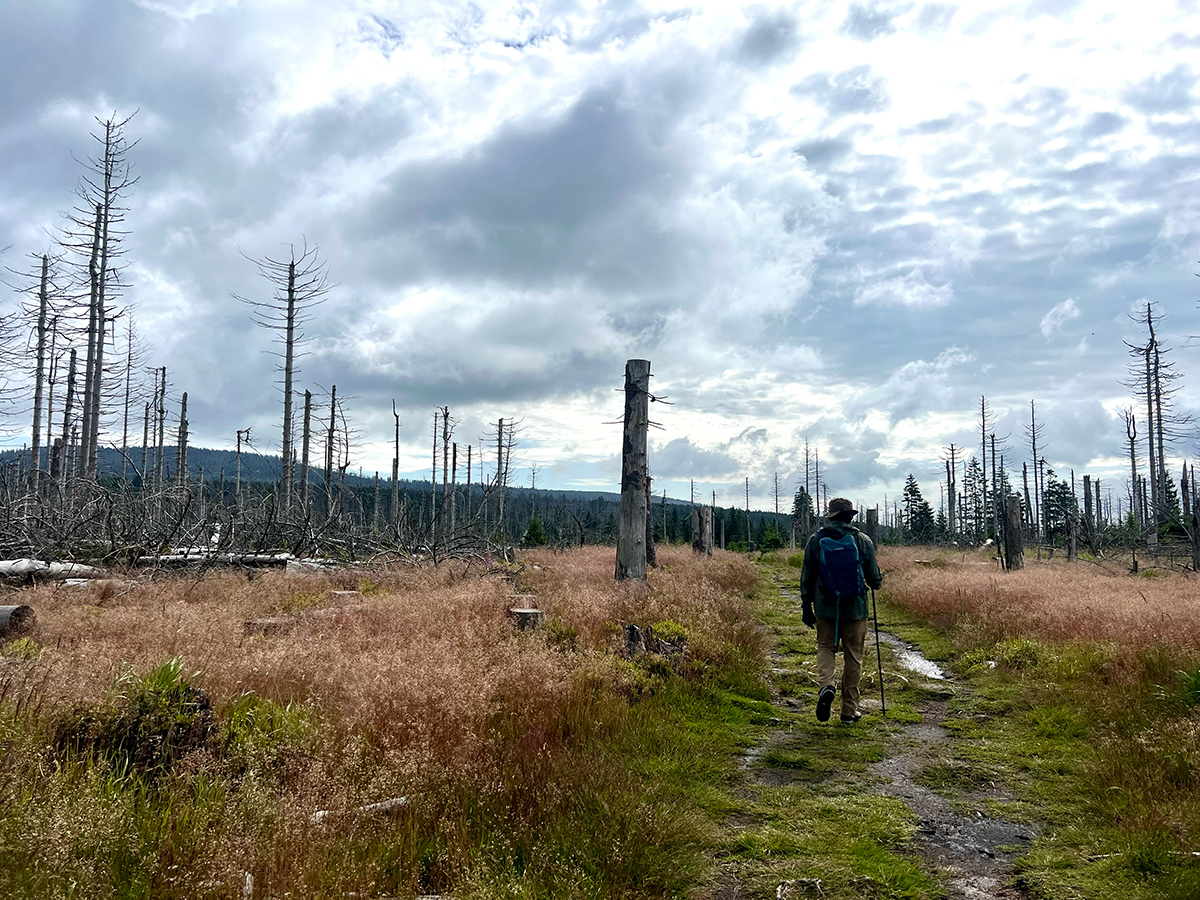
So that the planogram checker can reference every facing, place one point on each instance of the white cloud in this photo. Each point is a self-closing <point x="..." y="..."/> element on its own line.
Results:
<point x="1060" y="315"/>
<point x="911" y="290"/>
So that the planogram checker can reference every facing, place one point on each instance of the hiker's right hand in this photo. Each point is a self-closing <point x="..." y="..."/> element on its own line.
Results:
<point x="807" y="616"/>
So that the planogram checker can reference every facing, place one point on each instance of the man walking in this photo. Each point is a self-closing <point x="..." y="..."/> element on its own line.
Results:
<point x="839" y="566"/>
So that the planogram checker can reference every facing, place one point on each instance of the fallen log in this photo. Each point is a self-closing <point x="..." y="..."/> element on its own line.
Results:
<point x="32" y="569"/>
<point x="15" y="620"/>
<point x="203" y="558"/>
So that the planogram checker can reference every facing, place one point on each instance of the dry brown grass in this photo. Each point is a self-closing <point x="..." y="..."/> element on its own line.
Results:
<point x="427" y="691"/>
<point x="1052" y="601"/>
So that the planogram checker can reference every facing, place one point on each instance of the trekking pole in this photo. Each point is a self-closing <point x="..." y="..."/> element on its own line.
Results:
<point x="878" y="652"/>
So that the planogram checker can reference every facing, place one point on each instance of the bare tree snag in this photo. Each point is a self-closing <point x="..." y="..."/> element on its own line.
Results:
<point x="67" y="410"/>
<point x="95" y="329"/>
<point x="305" y="441"/>
<point x="300" y="283"/>
<point x="330" y="437"/>
<point x="651" y="551"/>
<point x="702" y="530"/>
<point x="181" y="463"/>
<point x="631" y="533"/>
<point x="162" y="427"/>
<point x="394" y="508"/>
<point x="453" y="484"/>
<point x="145" y="442"/>
<point x="35" y="453"/>
<point x="1014" y="544"/>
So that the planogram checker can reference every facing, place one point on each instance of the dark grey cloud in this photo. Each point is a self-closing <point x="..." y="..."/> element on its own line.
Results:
<point x="868" y="21"/>
<point x="823" y="152"/>
<point x="680" y="459"/>
<point x="1170" y="92"/>
<point x="770" y="37"/>
<point x="574" y="197"/>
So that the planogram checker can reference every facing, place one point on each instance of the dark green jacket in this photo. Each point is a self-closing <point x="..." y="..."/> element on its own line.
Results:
<point x="812" y="586"/>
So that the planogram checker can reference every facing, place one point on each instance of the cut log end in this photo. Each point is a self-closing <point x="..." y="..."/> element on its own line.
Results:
<point x="16" y="620"/>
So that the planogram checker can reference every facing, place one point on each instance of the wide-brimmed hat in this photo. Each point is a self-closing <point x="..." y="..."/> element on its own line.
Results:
<point x="840" y="505"/>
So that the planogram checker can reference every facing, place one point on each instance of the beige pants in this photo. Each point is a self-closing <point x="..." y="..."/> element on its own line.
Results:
<point x="851" y="635"/>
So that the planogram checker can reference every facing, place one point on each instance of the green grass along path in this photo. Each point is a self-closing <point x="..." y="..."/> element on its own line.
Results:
<point x="973" y="787"/>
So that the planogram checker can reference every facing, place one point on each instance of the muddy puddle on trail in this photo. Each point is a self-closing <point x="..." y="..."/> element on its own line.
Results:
<point x="974" y="848"/>
<point x="956" y="837"/>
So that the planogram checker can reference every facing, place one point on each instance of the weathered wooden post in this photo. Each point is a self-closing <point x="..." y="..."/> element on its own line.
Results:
<point x="1014" y="543"/>
<point x="631" y="533"/>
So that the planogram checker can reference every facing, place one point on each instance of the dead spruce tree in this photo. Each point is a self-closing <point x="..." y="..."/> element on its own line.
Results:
<point x="299" y="282"/>
<point x="91" y="240"/>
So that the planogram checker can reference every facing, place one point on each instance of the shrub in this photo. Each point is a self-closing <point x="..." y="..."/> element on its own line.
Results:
<point x="1191" y="687"/>
<point x="1019" y="654"/>
<point x="796" y="560"/>
<point x="155" y="719"/>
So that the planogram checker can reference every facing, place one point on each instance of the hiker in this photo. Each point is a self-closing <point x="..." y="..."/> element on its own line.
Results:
<point x="839" y="562"/>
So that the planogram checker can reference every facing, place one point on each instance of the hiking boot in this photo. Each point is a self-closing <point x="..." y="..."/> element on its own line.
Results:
<point x="850" y="720"/>
<point x="824" y="702"/>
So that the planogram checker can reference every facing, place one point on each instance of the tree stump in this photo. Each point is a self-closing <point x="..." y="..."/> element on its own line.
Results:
<point x="1014" y="544"/>
<point x="528" y="619"/>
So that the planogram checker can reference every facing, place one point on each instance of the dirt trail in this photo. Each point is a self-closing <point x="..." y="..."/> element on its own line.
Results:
<point x="972" y="850"/>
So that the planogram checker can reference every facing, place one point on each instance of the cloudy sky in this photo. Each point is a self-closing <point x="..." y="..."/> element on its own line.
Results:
<point x="839" y="221"/>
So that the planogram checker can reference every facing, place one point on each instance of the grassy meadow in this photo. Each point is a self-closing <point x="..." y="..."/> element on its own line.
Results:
<point x="1084" y="701"/>
<point x="149" y="748"/>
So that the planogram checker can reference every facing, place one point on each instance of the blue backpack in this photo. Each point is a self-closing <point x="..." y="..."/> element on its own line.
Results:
<point x="841" y="568"/>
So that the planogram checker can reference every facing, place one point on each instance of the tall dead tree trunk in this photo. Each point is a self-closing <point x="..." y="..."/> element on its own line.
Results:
<point x="433" y="507"/>
<point x="375" y="505"/>
<point x="631" y="533"/>
<point x="160" y="450"/>
<point x="501" y="479"/>
<point x="702" y="530"/>
<point x="651" y="550"/>
<point x="1131" y="435"/>
<point x="181" y="463"/>
<point x="35" y="453"/>
<point x="1152" y="454"/>
<point x="394" y="508"/>
<point x="95" y="329"/>
<point x="289" y="358"/>
<point x="305" y="443"/>
<point x="1014" y="544"/>
<point x="300" y="283"/>
<point x="145" y="445"/>
<point x="330" y="436"/>
<point x="1089" y="518"/>
<point x="872" y="523"/>
<point x="67" y="411"/>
